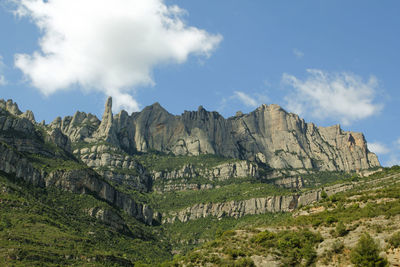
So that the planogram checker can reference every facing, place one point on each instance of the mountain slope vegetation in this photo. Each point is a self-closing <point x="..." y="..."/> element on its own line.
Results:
<point x="115" y="192"/>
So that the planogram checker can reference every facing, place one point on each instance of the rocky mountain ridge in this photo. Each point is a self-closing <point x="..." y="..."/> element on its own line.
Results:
<point x="269" y="135"/>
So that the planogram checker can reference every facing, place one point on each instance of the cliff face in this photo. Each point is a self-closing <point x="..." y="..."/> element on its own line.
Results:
<point x="28" y="153"/>
<point x="252" y="206"/>
<point x="180" y="179"/>
<point x="268" y="135"/>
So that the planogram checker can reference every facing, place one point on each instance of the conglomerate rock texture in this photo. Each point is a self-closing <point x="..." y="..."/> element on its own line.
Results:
<point x="269" y="135"/>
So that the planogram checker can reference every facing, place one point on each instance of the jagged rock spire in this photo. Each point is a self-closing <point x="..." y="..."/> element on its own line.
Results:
<point x="107" y="119"/>
<point x="29" y="115"/>
<point x="106" y="129"/>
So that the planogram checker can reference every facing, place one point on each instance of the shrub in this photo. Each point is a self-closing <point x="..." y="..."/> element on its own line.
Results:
<point x="264" y="238"/>
<point x="324" y="195"/>
<point x="215" y="259"/>
<point x="296" y="246"/>
<point x="341" y="229"/>
<point x="330" y="219"/>
<point x="195" y="257"/>
<point x="394" y="240"/>
<point x="316" y="222"/>
<point x="334" y="198"/>
<point x="244" y="262"/>
<point x="337" y="247"/>
<point x="228" y="233"/>
<point x="366" y="253"/>
<point x="235" y="253"/>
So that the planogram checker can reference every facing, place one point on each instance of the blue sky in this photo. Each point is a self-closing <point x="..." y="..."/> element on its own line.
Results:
<point x="331" y="61"/>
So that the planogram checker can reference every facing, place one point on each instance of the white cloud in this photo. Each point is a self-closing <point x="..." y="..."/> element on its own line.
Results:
<point x="342" y="96"/>
<point x="378" y="148"/>
<point x="245" y="99"/>
<point x="107" y="45"/>
<point x="248" y="100"/>
<point x="299" y="54"/>
<point x="2" y="78"/>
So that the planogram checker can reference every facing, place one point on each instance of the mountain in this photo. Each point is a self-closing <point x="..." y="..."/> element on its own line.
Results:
<point x="268" y="135"/>
<point x="42" y="157"/>
<point x="137" y="189"/>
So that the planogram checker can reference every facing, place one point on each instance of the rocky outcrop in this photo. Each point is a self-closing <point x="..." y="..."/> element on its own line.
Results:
<point x="78" y="128"/>
<point x="108" y="217"/>
<point x="87" y="182"/>
<point x="182" y="185"/>
<point x="20" y="143"/>
<point x="12" y="162"/>
<point x="83" y="181"/>
<point x="269" y="135"/>
<point x="106" y="128"/>
<point x="58" y="138"/>
<point x="115" y="165"/>
<point x="179" y="179"/>
<point x="290" y="182"/>
<point x="10" y="106"/>
<point x="252" y="206"/>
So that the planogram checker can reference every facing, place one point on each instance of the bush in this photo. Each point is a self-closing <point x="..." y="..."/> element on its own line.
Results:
<point x="228" y="233"/>
<point x="296" y="246"/>
<point x="195" y="257"/>
<point x="264" y="238"/>
<point x="337" y="247"/>
<point x="316" y="222"/>
<point x="341" y="229"/>
<point x="244" y="262"/>
<point x="235" y="253"/>
<point x="330" y="219"/>
<point x="366" y="253"/>
<point x="394" y="240"/>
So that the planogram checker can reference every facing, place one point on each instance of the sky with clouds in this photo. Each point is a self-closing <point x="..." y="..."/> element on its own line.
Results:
<point x="331" y="62"/>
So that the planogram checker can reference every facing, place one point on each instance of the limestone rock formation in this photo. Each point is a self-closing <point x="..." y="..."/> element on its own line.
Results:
<point x="116" y="166"/>
<point x="252" y="206"/>
<point x="269" y="135"/>
<point x="180" y="179"/>
<point x="21" y="144"/>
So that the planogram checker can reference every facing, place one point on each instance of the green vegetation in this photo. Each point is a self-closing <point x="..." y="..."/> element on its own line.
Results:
<point x="50" y="164"/>
<point x="341" y="229"/>
<point x="49" y="227"/>
<point x="292" y="246"/>
<point x="325" y="178"/>
<point x="233" y="249"/>
<point x="340" y="213"/>
<point x="366" y="253"/>
<point x="394" y="240"/>
<point x="185" y="236"/>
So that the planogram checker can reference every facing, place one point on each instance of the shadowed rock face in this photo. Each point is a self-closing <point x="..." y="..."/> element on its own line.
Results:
<point x="19" y="140"/>
<point x="268" y="135"/>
